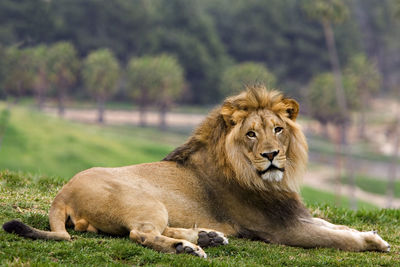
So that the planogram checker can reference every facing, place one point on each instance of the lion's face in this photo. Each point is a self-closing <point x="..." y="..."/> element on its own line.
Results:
<point x="258" y="145"/>
<point x="263" y="140"/>
<point x="264" y="146"/>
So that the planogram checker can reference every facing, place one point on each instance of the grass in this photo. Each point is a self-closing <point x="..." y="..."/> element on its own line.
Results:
<point x="373" y="185"/>
<point x="316" y="197"/>
<point x="41" y="144"/>
<point x="43" y="152"/>
<point x="28" y="197"/>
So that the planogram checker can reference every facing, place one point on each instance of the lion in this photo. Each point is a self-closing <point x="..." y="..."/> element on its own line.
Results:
<point x="237" y="175"/>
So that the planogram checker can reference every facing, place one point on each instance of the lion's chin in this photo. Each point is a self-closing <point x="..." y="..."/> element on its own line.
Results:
<point x="272" y="176"/>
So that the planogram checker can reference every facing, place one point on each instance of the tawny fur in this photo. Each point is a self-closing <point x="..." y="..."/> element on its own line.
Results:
<point x="218" y="182"/>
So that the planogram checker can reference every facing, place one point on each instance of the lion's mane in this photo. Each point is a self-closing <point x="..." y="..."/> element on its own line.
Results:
<point x="213" y="144"/>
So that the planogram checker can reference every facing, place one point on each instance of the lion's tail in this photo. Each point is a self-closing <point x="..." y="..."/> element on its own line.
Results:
<point x="57" y="223"/>
<point x="24" y="230"/>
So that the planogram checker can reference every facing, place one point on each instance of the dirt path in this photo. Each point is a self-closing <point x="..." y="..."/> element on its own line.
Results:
<point x="120" y="117"/>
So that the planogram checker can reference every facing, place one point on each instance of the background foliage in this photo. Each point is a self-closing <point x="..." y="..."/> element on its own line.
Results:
<point x="209" y="36"/>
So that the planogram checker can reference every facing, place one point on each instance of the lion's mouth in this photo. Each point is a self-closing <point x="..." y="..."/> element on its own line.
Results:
<point x="271" y="168"/>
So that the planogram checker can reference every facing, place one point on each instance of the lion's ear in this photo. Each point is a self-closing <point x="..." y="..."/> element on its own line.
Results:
<point x="292" y="108"/>
<point x="227" y="112"/>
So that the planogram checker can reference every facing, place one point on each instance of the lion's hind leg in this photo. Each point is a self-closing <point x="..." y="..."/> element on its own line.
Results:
<point x="83" y="225"/>
<point x="148" y="236"/>
<point x="200" y="236"/>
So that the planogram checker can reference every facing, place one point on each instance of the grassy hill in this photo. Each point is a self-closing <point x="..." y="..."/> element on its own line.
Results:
<point x="28" y="198"/>
<point x="42" y="144"/>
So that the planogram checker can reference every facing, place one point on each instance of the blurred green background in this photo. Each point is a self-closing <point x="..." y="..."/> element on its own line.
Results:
<point x="112" y="83"/>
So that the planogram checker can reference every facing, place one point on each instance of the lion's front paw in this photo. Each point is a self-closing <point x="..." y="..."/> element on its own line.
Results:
<point x="211" y="239"/>
<point x="375" y="242"/>
<point x="189" y="248"/>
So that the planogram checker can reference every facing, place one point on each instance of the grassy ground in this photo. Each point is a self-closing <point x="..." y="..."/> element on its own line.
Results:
<point x="41" y="144"/>
<point x="53" y="150"/>
<point x="315" y="197"/>
<point x="373" y="185"/>
<point x="28" y="197"/>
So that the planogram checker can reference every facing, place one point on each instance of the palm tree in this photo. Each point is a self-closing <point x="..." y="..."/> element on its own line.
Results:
<point x="367" y="80"/>
<point x="40" y="67"/>
<point x="18" y="76"/>
<point x="101" y="72"/>
<point x="155" y="80"/>
<point x="64" y="66"/>
<point x="328" y="12"/>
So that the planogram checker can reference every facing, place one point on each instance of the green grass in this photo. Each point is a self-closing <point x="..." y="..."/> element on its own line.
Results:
<point x="42" y="144"/>
<point x="43" y="152"/>
<point x="28" y="197"/>
<point x="316" y="197"/>
<point x="373" y="185"/>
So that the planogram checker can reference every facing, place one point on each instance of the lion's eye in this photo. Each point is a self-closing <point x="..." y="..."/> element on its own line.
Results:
<point x="278" y="129"/>
<point x="251" y="134"/>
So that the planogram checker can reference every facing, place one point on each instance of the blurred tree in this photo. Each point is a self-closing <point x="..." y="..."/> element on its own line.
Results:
<point x="27" y="22"/>
<point x="326" y="109"/>
<point x="380" y="34"/>
<point x="64" y="67"/>
<point x="278" y="33"/>
<point x="101" y="72"/>
<point x="324" y="105"/>
<point x="40" y="69"/>
<point x="328" y="12"/>
<point x="170" y="79"/>
<point x="2" y="69"/>
<point x="155" y="80"/>
<point x="236" y="77"/>
<point x="18" y="76"/>
<point x="191" y="36"/>
<point x="141" y="83"/>
<point x="95" y="24"/>
<point x="367" y="81"/>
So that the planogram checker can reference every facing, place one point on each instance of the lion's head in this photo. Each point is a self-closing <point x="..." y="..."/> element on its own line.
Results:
<point x="252" y="138"/>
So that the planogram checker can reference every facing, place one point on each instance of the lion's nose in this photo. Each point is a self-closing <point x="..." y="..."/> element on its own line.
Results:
<point x="270" y="155"/>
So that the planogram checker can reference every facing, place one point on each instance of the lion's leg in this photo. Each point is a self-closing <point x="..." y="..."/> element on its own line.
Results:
<point x="200" y="236"/>
<point x="83" y="225"/>
<point x="146" y="235"/>
<point x="310" y="234"/>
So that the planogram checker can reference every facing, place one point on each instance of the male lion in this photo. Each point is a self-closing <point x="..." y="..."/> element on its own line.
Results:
<point x="237" y="175"/>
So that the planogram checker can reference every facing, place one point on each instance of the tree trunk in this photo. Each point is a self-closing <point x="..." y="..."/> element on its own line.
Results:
<point x="142" y="114"/>
<point x="342" y="146"/>
<point x="39" y="99"/>
<point x="339" y="165"/>
<point x="362" y="122"/>
<point x="61" y="107"/>
<point x="100" y="106"/>
<point x="163" y="115"/>
<point x="393" y="164"/>
<point x="334" y="59"/>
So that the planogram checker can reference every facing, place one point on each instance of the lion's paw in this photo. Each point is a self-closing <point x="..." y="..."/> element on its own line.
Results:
<point x="211" y="239"/>
<point x="189" y="248"/>
<point x="375" y="242"/>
